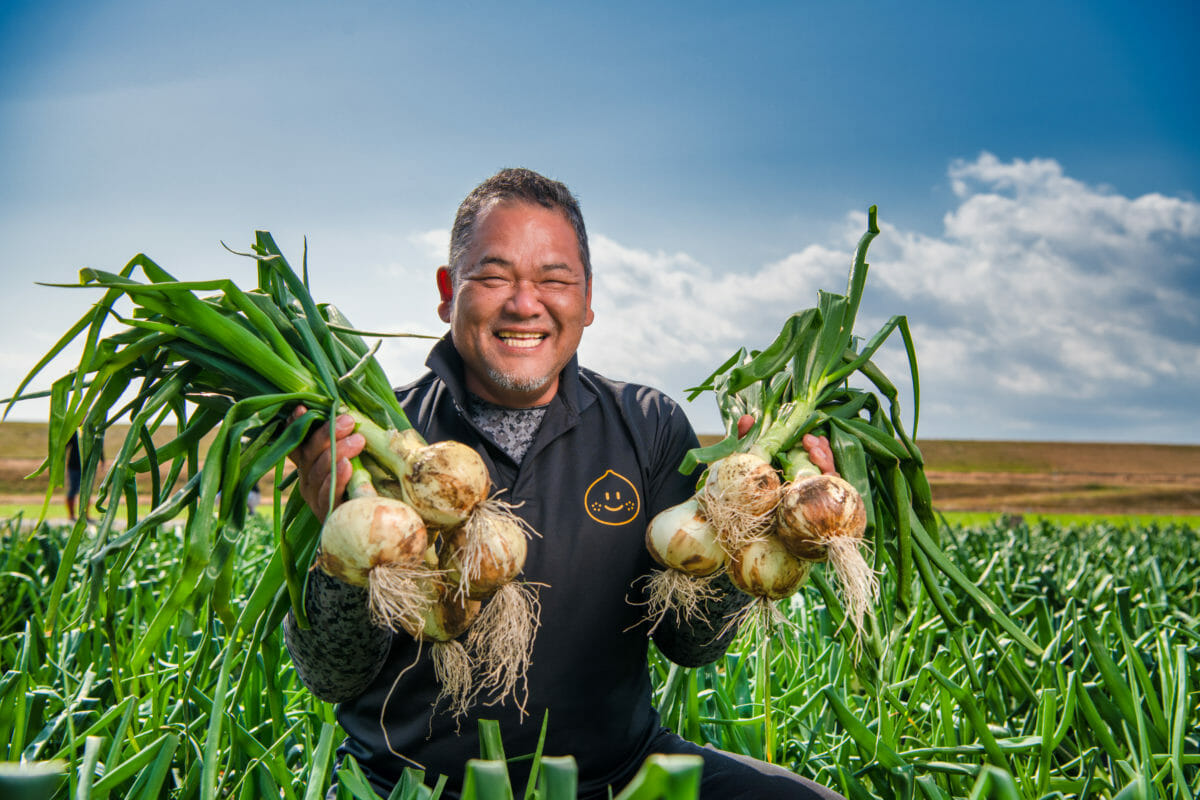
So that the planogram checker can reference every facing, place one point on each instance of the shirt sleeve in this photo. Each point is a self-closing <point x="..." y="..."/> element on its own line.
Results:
<point x="341" y="652"/>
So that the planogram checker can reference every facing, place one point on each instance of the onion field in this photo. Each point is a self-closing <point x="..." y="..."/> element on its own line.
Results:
<point x="1098" y="697"/>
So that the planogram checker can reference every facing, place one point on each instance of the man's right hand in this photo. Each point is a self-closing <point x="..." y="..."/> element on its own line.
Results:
<point x="312" y="462"/>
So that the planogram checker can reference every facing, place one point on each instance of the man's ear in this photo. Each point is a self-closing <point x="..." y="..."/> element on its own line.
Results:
<point x="590" y="315"/>
<point x="445" y="285"/>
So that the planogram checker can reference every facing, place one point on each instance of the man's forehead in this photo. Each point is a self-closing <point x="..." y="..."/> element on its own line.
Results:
<point x="518" y="203"/>
<point x="485" y="223"/>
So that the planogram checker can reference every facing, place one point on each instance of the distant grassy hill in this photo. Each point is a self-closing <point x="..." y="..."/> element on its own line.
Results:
<point x="966" y="475"/>
<point x="1062" y="477"/>
<point x="969" y="455"/>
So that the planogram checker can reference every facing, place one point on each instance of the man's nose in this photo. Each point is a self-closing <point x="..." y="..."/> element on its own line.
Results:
<point x="525" y="299"/>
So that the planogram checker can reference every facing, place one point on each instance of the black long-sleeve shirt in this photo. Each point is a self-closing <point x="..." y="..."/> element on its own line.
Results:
<point x="602" y="463"/>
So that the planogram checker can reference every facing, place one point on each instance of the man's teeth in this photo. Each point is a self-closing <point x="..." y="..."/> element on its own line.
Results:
<point x="522" y="339"/>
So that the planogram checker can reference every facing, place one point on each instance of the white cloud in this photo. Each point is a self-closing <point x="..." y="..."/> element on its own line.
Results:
<point x="1047" y="308"/>
<point x="1076" y="279"/>
<point x="434" y="244"/>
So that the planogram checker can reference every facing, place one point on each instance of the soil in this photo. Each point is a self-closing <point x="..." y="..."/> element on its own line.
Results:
<point x="1056" y="492"/>
<point x="1064" y="477"/>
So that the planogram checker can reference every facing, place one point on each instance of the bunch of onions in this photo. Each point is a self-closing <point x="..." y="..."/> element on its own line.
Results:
<point x="770" y="517"/>
<point x="245" y="360"/>
<point x="477" y="549"/>
<point x="476" y="558"/>
<point x="695" y="540"/>
<point x="772" y="525"/>
<point x="773" y="530"/>
<point x="727" y="526"/>
<point x="474" y="549"/>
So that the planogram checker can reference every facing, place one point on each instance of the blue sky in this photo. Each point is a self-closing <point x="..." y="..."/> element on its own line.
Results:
<point x="1035" y="165"/>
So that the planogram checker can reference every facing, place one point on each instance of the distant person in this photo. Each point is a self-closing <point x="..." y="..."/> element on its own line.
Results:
<point x="74" y="473"/>
<point x="253" y="499"/>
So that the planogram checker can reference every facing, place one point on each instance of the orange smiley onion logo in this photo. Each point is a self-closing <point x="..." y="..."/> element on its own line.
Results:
<point x="612" y="500"/>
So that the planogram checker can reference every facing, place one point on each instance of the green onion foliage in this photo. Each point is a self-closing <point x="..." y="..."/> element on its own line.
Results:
<point x="232" y="365"/>
<point x="1113" y="704"/>
<point x="1110" y="707"/>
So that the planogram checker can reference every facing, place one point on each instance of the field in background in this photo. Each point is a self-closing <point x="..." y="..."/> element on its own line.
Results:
<point x="1063" y="477"/>
<point x="967" y="476"/>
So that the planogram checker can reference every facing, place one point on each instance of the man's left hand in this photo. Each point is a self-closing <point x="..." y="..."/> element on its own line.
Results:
<point x="817" y="447"/>
<point x="819" y="453"/>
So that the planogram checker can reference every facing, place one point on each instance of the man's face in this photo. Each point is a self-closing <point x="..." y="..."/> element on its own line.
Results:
<point x="520" y="303"/>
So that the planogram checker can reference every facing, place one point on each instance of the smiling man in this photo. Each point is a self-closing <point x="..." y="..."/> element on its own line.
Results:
<point x="517" y="297"/>
<point x="587" y="461"/>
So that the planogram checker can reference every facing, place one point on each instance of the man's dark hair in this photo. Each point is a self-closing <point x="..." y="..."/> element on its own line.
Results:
<point x="521" y="184"/>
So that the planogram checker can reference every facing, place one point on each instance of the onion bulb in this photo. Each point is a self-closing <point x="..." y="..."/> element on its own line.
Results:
<point x="765" y="569"/>
<point x="738" y="496"/>
<point x="682" y="540"/>
<point x="378" y="543"/>
<point x="444" y="617"/>
<point x="445" y="482"/>
<point x="479" y="565"/>
<point x="823" y="517"/>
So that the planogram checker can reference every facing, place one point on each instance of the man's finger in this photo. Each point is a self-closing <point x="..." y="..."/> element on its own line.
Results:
<point x="820" y="453"/>
<point x="317" y="441"/>
<point x="317" y="473"/>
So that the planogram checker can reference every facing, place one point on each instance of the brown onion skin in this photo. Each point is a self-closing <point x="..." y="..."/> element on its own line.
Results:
<point x="446" y="617"/>
<point x="816" y="510"/>
<point x="499" y="562"/>
<point x="446" y="481"/>
<point x="764" y="568"/>
<point x="746" y="481"/>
